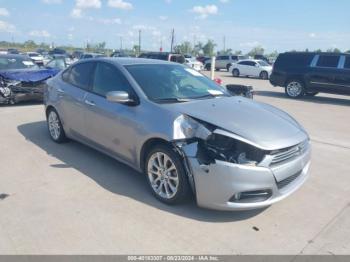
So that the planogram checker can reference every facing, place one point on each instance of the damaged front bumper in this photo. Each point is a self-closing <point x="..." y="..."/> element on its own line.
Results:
<point x="228" y="186"/>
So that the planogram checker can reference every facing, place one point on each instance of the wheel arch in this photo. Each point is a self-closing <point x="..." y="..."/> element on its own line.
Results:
<point x="150" y="143"/>
<point x="147" y="146"/>
<point x="295" y="77"/>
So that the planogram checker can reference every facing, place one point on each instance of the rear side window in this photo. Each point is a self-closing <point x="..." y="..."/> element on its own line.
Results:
<point x="293" y="60"/>
<point x="328" y="61"/>
<point x="347" y="62"/>
<point x="80" y="75"/>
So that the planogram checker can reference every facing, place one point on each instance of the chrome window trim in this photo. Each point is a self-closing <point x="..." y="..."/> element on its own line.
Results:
<point x="314" y="61"/>
<point x="341" y="63"/>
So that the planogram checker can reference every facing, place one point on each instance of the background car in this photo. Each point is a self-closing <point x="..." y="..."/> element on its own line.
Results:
<point x="307" y="73"/>
<point x="58" y="62"/>
<point x="194" y="63"/>
<point x="165" y="56"/>
<point x="91" y="55"/>
<point x="57" y="51"/>
<point x="251" y="67"/>
<point x="21" y="79"/>
<point x="36" y="58"/>
<point x="223" y="62"/>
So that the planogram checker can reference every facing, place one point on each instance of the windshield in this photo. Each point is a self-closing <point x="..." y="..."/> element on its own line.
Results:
<point x="263" y="63"/>
<point x="174" y="83"/>
<point x="15" y="63"/>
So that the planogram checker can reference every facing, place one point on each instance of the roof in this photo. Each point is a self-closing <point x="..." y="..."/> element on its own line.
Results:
<point x="18" y="56"/>
<point x="317" y="53"/>
<point x="132" y="61"/>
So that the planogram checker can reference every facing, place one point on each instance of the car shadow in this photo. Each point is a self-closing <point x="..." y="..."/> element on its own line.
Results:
<point x="318" y="99"/>
<point x="117" y="177"/>
<point x="26" y="103"/>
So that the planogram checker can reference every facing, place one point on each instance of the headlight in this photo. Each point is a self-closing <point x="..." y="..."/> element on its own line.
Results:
<point x="186" y="127"/>
<point x="227" y="149"/>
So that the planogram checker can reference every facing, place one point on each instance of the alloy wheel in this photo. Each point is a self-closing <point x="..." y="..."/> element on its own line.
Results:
<point x="54" y="125"/>
<point x="294" y="89"/>
<point x="163" y="175"/>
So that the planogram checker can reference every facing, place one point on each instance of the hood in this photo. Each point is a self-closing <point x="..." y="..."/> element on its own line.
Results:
<point x="261" y="124"/>
<point x="28" y="75"/>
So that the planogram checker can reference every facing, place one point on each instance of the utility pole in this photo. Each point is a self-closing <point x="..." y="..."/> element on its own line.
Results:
<point x="139" y="41"/>
<point x="224" y="43"/>
<point x="172" y="40"/>
<point x="121" y="43"/>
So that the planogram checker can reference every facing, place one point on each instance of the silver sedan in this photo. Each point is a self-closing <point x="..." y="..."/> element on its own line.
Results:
<point x="186" y="133"/>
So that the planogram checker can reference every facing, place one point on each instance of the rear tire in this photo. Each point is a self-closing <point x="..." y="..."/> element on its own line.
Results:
<point x="55" y="127"/>
<point x="166" y="175"/>
<point x="235" y="72"/>
<point x="295" y="88"/>
<point x="228" y="67"/>
<point x="311" y="93"/>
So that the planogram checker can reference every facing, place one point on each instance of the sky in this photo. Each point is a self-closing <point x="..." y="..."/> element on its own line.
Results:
<point x="273" y="24"/>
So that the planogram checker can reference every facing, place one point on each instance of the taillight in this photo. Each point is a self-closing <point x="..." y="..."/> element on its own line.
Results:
<point x="218" y="81"/>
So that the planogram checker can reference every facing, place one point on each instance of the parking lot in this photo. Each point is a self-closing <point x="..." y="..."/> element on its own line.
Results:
<point x="70" y="199"/>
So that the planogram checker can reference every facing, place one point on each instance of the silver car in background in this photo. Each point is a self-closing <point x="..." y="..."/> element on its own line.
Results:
<point x="185" y="132"/>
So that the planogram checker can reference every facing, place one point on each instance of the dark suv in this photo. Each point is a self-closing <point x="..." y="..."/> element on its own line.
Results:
<point x="310" y="73"/>
<point x="177" y="58"/>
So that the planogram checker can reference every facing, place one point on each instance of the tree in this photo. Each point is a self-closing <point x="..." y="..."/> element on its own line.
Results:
<point x="198" y="48"/>
<point x="225" y="52"/>
<point x="184" y="48"/>
<point x="258" y="50"/>
<point x="318" y="50"/>
<point x="30" y="44"/>
<point x="238" y="52"/>
<point x="274" y="54"/>
<point x="333" y="50"/>
<point x="208" y="48"/>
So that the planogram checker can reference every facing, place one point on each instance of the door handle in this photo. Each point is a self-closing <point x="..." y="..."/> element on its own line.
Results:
<point x="59" y="90"/>
<point x="90" y="103"/>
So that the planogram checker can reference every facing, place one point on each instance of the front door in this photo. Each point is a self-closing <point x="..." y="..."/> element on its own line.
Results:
<point x="111" y="126"/>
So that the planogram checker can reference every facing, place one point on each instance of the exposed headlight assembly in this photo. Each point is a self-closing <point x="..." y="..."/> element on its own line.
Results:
<point x="227" y="149"/>
<point x="186" y="127"/>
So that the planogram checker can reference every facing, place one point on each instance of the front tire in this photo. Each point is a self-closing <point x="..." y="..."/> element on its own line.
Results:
<point x="264" y="75"/>
<point x="166" y="175"/>
<point x="55" y="127"/>
<point x="295" y="88"/>
<point x="208" y="67"/>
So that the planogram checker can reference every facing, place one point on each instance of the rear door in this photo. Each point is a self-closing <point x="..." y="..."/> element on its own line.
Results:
<point x="342" y="77"/>
<point x="323" y="71"/>
<point x="72" y="93"/>
<point x="111" y="126"/>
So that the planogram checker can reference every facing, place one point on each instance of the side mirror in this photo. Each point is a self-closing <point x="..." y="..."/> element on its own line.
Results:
<point x="120" y="97"/>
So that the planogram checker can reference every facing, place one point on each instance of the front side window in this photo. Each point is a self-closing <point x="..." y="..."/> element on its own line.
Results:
<point x="108" y="78"/>
<point x="328" y="61"/>
<point x="80" y="75"/>
<point x="174" y="83"/>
